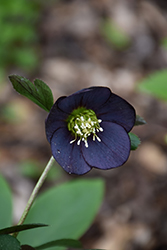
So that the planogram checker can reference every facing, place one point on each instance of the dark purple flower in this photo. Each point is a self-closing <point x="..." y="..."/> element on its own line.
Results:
<point x="90" y="129"/>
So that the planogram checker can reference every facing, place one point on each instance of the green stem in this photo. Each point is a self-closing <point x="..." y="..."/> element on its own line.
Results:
<point x="35" y="192"/>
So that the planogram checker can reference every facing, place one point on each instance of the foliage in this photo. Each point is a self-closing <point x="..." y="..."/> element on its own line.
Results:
<point x="6" y="204"/>
<point x="20" y="228"/>
<point x="113" y="35"/>
<point x="69" y="210"/>
<point x="7" y="242"/>
<point x="164" y="42"/>
<point x="39" y="92"/>
<point x="139" y="120"/>
<point x="72" y="205"/>
<point x="155" y="84"/>
<point x="135" y="141"/>
<point x="18" y="34"/>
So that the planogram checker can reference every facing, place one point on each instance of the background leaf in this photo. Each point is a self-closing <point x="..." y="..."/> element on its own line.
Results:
<point x="135" y="141"/>
<point x="5" y="204"/>
<point x="155" y="84"/>
<point x="8" y="242"/>
<point x="113" y="34"/>
<point x="19" y="228"/>
<point x="139" y="120"/>
<point x="69" y="209"/>
<point x="63" y="242"/>
<point x="39" y="92"/>
<point x="27" y="247"/>
<point x="19" y="35"/>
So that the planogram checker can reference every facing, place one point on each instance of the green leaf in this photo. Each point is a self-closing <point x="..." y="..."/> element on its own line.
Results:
<point x="70" y="243"/>
<point x="27" y="247"/>
<point x="5" y="204"/>
<point x="135" y="141"/>
<point x="164" y="42"/>
<point x="20" y="228"/>
<point x="38" y="92"/>
<point x="69" y="209"/>
<point x="139" y="120"/>
<point x="114" y="35"/>
<point x="8" y="242"/>
<point x="62" y="242"/>
<point x="155" y="84"/>
<point x="165" y="139"/>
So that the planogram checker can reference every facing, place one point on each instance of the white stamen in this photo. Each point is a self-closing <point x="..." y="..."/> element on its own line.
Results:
<point x="76" y="126"/>
<point x="86" y="144"/>
<point x="88" y="125"/>
<point x="72" y="141"/>
<point x="78" y="142"/>
<point x="79" y="132"/>
<point x="82" y="124"/>
<point x="98" y="138"/>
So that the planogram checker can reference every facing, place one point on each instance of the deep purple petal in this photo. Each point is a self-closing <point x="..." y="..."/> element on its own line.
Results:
<point x="69" y="156"/>
<point x="55" y="120"/>
<point x="113" y="150"/>
<point x="89" y="98"/>
<point x="117" y="110"/>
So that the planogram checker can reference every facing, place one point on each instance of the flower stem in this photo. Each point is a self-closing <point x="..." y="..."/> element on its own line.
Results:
<point x="35" y="192"/>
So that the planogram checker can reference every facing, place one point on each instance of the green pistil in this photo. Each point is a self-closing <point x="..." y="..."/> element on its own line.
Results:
<point x="82" y="123"/>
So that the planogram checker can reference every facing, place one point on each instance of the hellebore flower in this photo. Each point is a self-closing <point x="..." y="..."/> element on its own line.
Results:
<point x="90" y="129"/>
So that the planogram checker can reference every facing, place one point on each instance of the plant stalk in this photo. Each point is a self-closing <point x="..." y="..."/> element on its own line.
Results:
<point x="35" y="192"/>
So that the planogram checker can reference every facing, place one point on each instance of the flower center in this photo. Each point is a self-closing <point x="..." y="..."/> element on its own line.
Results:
<point x="82" y="123"/>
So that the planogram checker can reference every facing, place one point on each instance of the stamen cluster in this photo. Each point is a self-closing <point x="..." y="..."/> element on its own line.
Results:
<point x="83" y="123"/>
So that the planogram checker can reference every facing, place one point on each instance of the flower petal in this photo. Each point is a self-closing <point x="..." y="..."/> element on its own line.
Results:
<point x="89" y="98"/>
<point x="55" y="120"/>
<point x="69" y="156"/>
<point x="117" y="110"/>
<point x="113" y="150"/>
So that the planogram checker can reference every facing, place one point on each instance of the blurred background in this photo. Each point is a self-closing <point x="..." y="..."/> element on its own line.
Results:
<point x="70" y="45"/>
